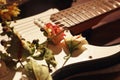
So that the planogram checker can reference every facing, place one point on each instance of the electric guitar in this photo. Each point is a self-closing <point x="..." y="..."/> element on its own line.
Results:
<point x="77" y="19"/>
<point x="82" y="16"/>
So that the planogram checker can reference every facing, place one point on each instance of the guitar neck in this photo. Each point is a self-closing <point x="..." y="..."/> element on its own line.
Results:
<point x="84" y="12"/>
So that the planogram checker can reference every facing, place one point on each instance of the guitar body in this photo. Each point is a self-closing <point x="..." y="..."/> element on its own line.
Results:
<point x="106" y="68"/>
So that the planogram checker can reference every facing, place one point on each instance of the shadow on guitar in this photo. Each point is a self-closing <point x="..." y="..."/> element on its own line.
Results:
<point x="107" y="34"/>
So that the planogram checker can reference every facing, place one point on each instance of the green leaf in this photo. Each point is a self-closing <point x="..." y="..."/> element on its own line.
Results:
<point x="19" y="48"/>
<point x="45" y="54"/>
<point x="37" y="71"/>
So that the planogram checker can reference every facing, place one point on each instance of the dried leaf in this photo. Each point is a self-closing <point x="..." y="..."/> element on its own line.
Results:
<point x="37" y="71"/>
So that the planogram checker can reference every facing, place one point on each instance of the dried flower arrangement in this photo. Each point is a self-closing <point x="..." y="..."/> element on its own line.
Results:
<point x="18" y="50"/>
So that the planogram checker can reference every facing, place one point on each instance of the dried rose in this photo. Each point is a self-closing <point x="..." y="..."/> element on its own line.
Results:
<point x="54" y="33"/>
<point x="74" y="45"/>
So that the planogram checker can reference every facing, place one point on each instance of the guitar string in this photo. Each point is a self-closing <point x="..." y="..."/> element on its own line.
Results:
<point x="27" y="22"/>
<point x="73" y="21"/>
<point x="23" y="27"/>
<point x="61" y="16"/>
<point x="28" y="28"/>
<point x="95" y="11"/>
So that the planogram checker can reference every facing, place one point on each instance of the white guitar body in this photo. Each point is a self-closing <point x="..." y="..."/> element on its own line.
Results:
<point x="30" y="31"/>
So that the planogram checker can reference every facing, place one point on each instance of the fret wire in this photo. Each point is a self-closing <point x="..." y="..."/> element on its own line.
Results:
<point x="102" y="8"/>
<point x="93" y="8"/>
<point x="73" y="19"/>
<point x="90" y="9"/>
<point x="88" y="12"/>
<point x="97" y="5"/>
<point x="66" y="21"/>
<point x="58" y="17"/>
<point x="68" y="15"/>
<point x="77" y="17"/>
<point x="106" y="6"/>
<point x="57" y="22"/>
<point x="62" y="25"/>
<point x="91" y="14"/>
<point x="114" y="4"/>
<point x="100" y="4"/>
<point x="69" y="21"/>
<point x="67" y="18"/>
<point x="111" y="5"/>
<point x="81" y="16"/>
<point x="74" y="16"/>
<point x="62" y="22"/>
<point x="78" y="12"/>
<point x="98" y="8"/>
<point x="117" y="2"/>
<point x="75" y="13"/>
<point x="83" y="12"/>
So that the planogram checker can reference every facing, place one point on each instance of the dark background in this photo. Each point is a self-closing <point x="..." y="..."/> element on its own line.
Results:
<point x="32" y="7"/>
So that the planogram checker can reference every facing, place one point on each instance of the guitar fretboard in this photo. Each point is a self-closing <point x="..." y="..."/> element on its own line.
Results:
<point x="82" y="12"/>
